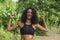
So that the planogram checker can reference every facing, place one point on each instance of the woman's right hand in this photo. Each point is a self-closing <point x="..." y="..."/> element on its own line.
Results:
<point x="12" y="16"/>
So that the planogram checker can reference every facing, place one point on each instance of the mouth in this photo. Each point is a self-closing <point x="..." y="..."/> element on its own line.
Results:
<point x="29" y="16"/>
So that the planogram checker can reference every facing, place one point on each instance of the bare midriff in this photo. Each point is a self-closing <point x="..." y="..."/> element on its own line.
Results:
<point x="26" y="37"/>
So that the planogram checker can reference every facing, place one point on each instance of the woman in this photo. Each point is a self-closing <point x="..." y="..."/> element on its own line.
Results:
<point x="28" y="24"/>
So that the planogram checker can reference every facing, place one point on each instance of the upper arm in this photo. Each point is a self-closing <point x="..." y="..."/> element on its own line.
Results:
<point x="41" y="27"/>
<point x="14" y="26"/>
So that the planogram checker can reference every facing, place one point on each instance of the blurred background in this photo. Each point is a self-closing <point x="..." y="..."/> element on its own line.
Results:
<point x="49" y="8"/>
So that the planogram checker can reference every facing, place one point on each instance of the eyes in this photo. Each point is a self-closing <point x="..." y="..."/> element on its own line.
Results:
<point x="29" y="12"/>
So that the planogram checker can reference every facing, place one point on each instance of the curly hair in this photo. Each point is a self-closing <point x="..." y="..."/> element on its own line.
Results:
<point x="34" y="18"/>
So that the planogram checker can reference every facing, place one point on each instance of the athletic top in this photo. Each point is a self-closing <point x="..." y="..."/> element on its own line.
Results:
<point x="27" y="30"/>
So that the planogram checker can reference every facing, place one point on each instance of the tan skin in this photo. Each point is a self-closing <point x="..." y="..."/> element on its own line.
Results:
<point x="28" y="22"/>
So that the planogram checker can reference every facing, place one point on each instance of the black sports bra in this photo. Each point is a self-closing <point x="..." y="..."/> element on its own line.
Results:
<point x="27" y="30"/>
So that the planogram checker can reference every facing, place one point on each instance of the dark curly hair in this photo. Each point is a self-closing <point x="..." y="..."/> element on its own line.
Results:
<point x="34" y="18"/>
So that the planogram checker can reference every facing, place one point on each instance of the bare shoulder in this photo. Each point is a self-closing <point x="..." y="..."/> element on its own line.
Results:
<point x="35" y="25"/>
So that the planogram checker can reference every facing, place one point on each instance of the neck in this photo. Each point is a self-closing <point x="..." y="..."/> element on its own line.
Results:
<point x="28" y="21"/>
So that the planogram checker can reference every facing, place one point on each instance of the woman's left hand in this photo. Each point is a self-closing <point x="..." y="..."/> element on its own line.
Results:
<point x="42" y="17"/>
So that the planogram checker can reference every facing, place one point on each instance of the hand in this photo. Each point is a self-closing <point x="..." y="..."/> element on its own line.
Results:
<point x="42" y="17"/>
<point x="12" y="16"/>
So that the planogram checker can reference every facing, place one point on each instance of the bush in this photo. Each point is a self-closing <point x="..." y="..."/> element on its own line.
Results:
<point x="5" y="35"/>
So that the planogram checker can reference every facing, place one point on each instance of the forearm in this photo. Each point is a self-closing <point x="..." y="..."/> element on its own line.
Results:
<point x="44" y="24"/>
<point x="9" y="24"/>
<point x="9" y="27"/>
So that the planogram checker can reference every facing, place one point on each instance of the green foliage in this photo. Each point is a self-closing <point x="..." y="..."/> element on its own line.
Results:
<point x="7" y="7"/>
<point x="5" y="35"/>
<point x="49" y="8"/>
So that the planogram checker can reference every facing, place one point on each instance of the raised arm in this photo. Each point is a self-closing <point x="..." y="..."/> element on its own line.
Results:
<point x="9" y="27"/>
<point x="44" y="27"/>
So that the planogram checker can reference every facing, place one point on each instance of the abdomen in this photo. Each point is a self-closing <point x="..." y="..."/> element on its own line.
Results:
<point x="26" y="37"/>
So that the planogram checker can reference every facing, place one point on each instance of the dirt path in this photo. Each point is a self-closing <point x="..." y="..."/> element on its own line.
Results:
<point x="54" y="35"/>
<point x="50" y="37"/>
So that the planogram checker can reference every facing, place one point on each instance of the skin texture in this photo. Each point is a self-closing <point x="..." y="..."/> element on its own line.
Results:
<point x="28" y="22"/>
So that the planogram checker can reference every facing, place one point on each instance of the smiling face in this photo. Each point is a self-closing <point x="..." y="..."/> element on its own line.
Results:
<point x="29" y="14"/>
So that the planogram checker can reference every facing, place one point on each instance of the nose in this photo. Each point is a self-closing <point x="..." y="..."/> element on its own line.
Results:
<point x="29" y="13"/>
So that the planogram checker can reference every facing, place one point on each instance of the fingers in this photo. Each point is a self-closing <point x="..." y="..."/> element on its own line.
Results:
<point x="42" y="17"/>
<point x="12" y="16"/>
